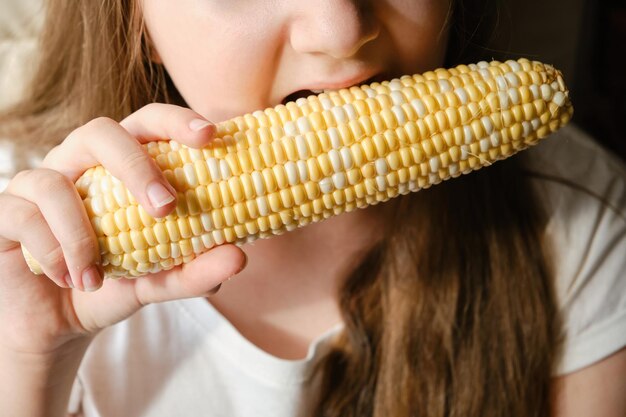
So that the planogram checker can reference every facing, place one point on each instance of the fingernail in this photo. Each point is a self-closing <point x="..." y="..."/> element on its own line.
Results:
<point x="159" y="195"/>
<point x="198" y="124"/>
<point x="245" y="262"/>
<point x="91" y="279"/>
<point x="68" y="280"/>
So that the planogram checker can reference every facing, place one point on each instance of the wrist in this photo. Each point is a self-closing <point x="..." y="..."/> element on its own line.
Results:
<point x="36" y="384"/>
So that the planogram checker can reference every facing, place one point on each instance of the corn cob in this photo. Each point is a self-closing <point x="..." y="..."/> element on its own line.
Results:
<point x="275" y="170"/>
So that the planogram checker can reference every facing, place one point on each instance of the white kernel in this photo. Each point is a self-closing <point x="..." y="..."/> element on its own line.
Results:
<point x="419" y="107"/>
<point x="195" y="154"/>
<point x="512" y="79"/>
<point x="468" y="134"/>
<point x="434" y="163"/>
<point x="546" y="92"/>
<point x="290" y="128"/>
<point x="495" y="138"/>
<point x="207" y="223"/>
<point x="381" y="183"/>
<point x="483" y="64"/>
<point x="400" y="116"/>
<point x="465" y="151"/>
<point x="536" y="123"/>
<point x="292" y="172"/>
<point x="327" y="104"/>
<point x="346" y="156"/>
<point x="175" y="250"/>
<point x="503" y="98"/>
<point x="371" y="93"/>
<point x="559" y="98"/>
<point x="487" y="124"/>
<point x="339" y="180"/>
<point x="326" y="185"/>
<point x="301" y="101"/>
<point x="501" y="83"/>
<point x="444" y="85"/>
<point x="514" y="65"/>
<point x="527" y="128"/>
<point x="350" y="111"/>
<point x="484" y="145"/>
<point x="484" y="73"/>
<point x="303" y="125"/>
<point x="335" y="139"/>
<point x="196" y="244"/>
<point x="120" y="196"/>
<point x="261" y="202"/>
<point x="381" y="166"/>
<point x="259" y="185"/>
<point x="213" y="169"/>
<point x="335" y="160"/>
<point x="218" y="236"/>
<point x="225" y="169"/>
<point x="514" y="96"/>
<point x="303" y="170"/>
<point x="397" y="98"/>
<point x="190" y="175"/>
<point x="207" y="240"/>
<point x="339" y="114"/>
<point x="453" y="169"/>
<point x="395" y="85"/>
<point x="462" y="95"/>
<point x="303" y="149"/>
<point x="534" y="89"/>
<point x="97" y="205"/>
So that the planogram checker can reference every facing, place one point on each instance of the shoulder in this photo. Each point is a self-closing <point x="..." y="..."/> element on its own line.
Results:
<point x="583" y="187"/>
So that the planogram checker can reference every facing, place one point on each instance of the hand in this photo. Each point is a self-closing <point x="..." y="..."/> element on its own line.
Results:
<point x="41" y="209"/>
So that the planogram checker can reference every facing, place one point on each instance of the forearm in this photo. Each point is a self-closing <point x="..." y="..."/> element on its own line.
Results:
<point x="36" y="386"/>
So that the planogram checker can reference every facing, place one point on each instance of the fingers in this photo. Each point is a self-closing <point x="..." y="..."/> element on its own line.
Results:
<point x="67" y="220"/>
<point x="199" y="277"/>
<point x="28" y="226"/>
<point x="120" y="298"/>
<point x="105" y="142"/>
<point x="118" y="147"/>
<point x="164" y="121"/>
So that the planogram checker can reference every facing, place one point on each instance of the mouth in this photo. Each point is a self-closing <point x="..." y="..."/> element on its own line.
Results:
<point x="307" y="93"/>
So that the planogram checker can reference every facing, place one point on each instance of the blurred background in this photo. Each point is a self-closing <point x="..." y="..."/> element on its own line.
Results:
<point x="584" y="38"/>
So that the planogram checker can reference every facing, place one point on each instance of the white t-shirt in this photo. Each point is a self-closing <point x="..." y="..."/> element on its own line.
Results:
<point x="184" y="358"/>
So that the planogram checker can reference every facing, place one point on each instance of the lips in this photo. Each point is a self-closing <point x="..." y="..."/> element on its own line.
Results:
<point x="308" y="92"/>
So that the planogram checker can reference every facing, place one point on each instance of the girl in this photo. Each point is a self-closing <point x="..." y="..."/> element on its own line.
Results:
<point x="497" y="294"/>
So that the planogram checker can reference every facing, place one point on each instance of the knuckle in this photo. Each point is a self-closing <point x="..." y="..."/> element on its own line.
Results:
<point x="29" y="214"/>
<point x="55" y="259"/>
<point x="99" y="123"/>
<point x="152" y="107"/>
<point x="86" y="130"/>
<point x="136" y="160"/>
<point x="83" y="244"/>
<point x="50" y="180"/>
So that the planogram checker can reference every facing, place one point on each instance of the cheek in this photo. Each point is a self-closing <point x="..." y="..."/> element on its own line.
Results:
<point x="214" y="58"/>
<point x="419" y="29"/>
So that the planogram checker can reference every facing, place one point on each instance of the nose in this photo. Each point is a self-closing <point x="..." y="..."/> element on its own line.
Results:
<point x="338" y="28"/>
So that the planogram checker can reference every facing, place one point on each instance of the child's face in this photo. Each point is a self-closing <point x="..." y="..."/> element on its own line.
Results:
<point x="230" y="57"/>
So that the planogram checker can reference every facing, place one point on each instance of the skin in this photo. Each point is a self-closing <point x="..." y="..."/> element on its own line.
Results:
<point x="226" y="58"/>
<point x="290" y="282"/>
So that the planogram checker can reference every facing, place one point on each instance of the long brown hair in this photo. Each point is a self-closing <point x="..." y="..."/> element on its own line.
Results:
<point x="452" y="313"/>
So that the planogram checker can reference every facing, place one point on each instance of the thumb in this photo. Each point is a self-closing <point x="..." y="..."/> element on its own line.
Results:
<point x="120" y="298"/>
